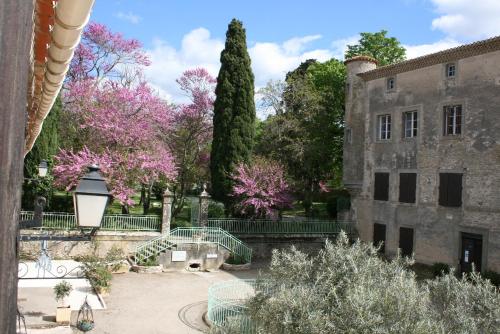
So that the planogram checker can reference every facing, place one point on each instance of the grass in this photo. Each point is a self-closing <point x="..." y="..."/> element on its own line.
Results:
<point x="318" y="209"/>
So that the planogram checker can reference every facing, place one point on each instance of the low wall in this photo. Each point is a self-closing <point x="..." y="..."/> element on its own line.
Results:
<point x="102" y="242"/>
<point x="263" y="245"/>
<point x="194" y="257"/>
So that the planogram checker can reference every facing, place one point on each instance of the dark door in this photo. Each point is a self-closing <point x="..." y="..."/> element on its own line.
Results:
<point x="379" y="236"/>
<point x="472" y="251"/>
<point x="406" y="241"/>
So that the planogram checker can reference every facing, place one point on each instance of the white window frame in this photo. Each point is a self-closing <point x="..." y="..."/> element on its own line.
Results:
<point x="410" y="126"/>
<point x="384" y="127"/>
<point x="391" y="84"/>
<point x="451" y="67"/>
<point x="456" y="112"/>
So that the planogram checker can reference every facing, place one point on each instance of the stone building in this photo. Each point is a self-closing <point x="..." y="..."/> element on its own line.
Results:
<point x="422" y="154"/>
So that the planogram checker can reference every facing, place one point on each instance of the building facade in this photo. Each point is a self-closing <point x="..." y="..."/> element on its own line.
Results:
<point x="422" y="154"/>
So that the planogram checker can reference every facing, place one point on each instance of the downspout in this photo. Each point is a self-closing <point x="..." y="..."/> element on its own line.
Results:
<point x="70" y="18"/>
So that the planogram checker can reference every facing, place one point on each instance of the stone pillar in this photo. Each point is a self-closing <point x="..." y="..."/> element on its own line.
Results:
<point x="203" y="210"/>
<point x="168" y="198"/>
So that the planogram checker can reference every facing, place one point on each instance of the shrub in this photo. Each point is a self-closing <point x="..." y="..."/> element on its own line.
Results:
<point x="114" y="257"/>
<point x="493" y="276"/>
<point x="216" y="210"/>
<point x="149" y="262"/>
<point x="97" y="272"/>
<point x="349" y="289"/>
<point x="331" y="207"/>
<point x="439" y="269"/>
<point x="62" y="290"/>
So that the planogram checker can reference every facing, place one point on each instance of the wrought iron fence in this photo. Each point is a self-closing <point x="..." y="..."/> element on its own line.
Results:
<point x="226" y="301"/>
<point x="263" y="226"/>
<point x="117" y="222"/>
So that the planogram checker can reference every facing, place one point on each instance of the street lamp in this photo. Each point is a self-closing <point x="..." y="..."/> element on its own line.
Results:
<point x="43" y="168"/>
<point x="90" y="198"/>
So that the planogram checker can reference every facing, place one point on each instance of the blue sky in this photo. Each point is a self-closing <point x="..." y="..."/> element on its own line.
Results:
<point x="181" y="34"/>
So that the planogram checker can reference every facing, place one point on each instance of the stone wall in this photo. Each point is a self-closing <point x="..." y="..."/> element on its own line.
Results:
<point x="103" y="241"/>
<point x="263" y="245"/>
<point x="475" y="154"/>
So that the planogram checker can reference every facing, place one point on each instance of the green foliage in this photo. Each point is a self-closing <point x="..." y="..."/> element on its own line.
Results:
<point x="235" y="259"/>
<point x="62" y="290"/>
<point x="308" y="137"/>
<point x="386" y="50"/>
<point x="440" y="269"/>
<point x="149" y="262"/>
<point x="349" y="289"/>
<point x="216" y="210"/>
<point x="97" y="272"/>
<point x="234" y="112"/>
<point x="114" y="257"/>
<point x="45" y="147"/>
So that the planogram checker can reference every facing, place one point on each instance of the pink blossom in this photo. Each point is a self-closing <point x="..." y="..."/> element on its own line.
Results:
<point x="261" y="189"/>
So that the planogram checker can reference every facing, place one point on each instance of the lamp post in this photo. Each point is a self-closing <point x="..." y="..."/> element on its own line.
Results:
<point x="90" y="198"/>
<point x="43" y="168"/>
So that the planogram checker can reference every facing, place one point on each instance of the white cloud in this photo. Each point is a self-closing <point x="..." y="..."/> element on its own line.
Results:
<point x="129" y="17"/>
<point x="413" y="51"/>
<point x="340" y="45"/>
<point x="200" y="49"/>
<point x="467" y="19"/>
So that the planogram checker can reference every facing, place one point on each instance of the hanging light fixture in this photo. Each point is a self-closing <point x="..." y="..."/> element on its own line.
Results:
<point x="43" y="168"/>
<point x="90" y="198"/>
<point x="85" y="319"/>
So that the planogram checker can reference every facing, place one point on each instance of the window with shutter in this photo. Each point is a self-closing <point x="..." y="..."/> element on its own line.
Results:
<point x="407" y="187"/>
<point x="450" y="189"/>
<point x="379" y="236"/>
<point x="381" y="192"/>
<point x="406" y="241"/>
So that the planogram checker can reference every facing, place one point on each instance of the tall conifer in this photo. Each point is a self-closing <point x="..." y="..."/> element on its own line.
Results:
<point x="234" y="112"/>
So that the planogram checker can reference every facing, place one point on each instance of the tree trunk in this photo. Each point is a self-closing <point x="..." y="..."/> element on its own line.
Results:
<point x="16" y="31"/>
<point x="125" y="209"/>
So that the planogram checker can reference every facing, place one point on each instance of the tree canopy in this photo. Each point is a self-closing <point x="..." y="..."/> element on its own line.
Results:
<point x="234" y="112"/>
<point x="386" y="50"/>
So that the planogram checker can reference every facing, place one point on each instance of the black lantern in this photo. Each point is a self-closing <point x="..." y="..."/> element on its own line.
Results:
<point x="85" y="319"/>
<point x="43" y="168"/>
<point x="90" y="198"/>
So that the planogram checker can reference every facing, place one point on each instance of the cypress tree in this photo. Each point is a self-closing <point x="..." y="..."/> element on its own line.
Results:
<point x="234" y="112"/>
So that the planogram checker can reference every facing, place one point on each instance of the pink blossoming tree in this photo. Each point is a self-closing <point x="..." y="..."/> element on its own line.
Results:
<point x="261" y="190"/>
<point x="113" y="118"/>
<point x="191" y="134"/>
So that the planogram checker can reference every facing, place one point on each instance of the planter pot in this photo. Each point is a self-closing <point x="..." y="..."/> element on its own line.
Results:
<point x="119" y="268"/>
<point x="85" y="326"/>
<point x="235" y="267"/>
<point x="63" y="315"/>
<point x="147" y="269"/>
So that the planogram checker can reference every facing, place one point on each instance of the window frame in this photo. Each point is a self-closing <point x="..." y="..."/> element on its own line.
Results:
<point x="390" y="84"/>
<point x="413" y="122"/>
<point x="448" y="67"/>
<point x="455" y="109"/>
<point x="388" y="124"/>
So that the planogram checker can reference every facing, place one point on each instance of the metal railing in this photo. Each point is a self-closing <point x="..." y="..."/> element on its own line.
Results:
<point x="226" y="301"/>
<point x="117" y="222"/>
<point x="263" y="226"/>
<point x="193" y="235"/>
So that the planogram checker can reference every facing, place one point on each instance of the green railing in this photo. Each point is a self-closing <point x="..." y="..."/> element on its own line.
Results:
<point x="262" y="226"/>
<point x="226" y="301"/>
<point x="66" y="221"/>
<point x="193" y="235"/>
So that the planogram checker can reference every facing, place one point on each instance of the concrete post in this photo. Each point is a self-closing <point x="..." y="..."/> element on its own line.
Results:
<point x="203" y="210"/>
<point x="168" y="198"/>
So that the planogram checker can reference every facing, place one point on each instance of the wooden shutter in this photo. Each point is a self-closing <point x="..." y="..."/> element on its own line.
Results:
<point x="407" y="187"/>
<point x="381" y="192"/>
<point x="455" y="189"/>
<point x="379" y="236"/>
<point x="443" y="189"/>
<point x="406" y="241"/>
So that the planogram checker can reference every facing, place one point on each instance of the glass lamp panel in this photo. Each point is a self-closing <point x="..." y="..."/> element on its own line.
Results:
<point x="90" y="209"/>
<point x="42" y="171"/>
